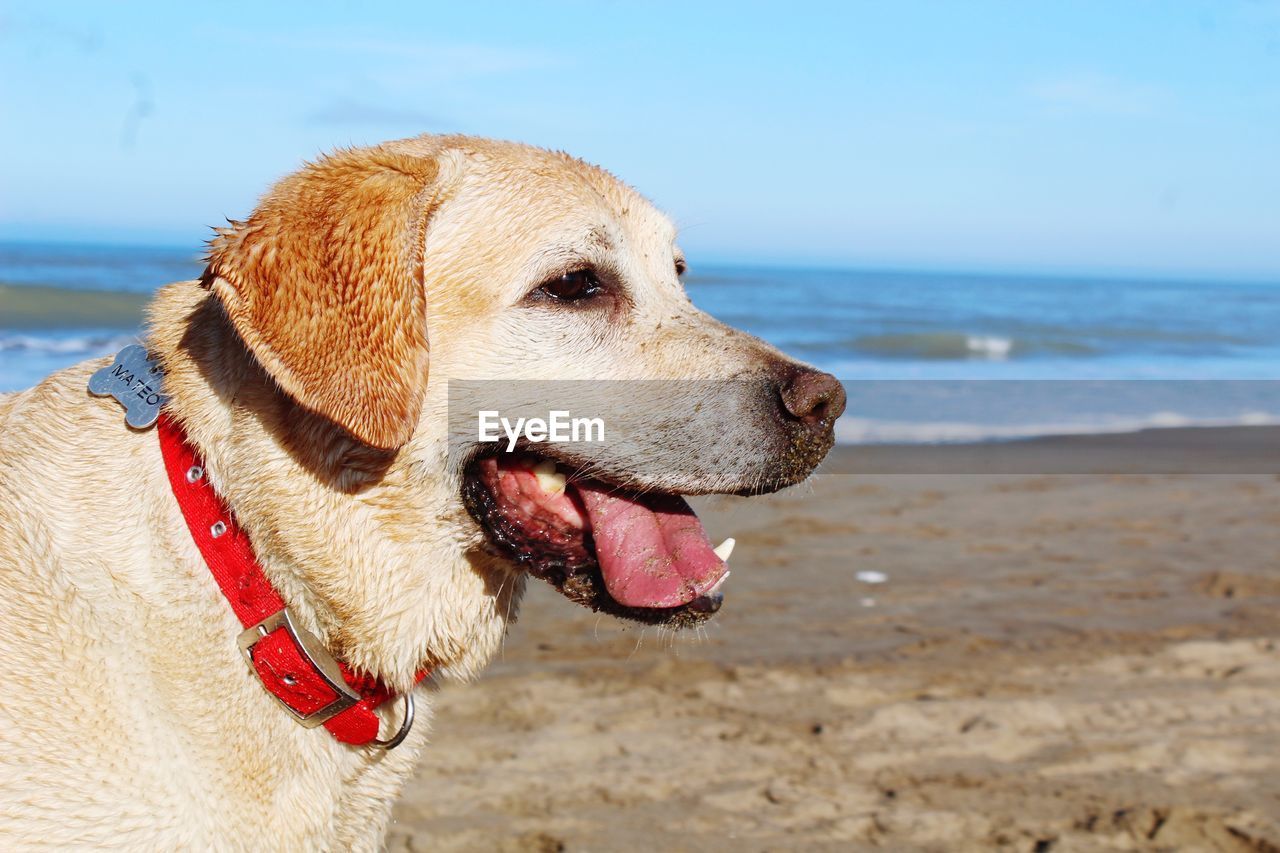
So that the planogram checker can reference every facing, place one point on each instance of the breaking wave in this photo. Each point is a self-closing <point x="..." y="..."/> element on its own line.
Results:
<point x="82" y="346"/>
<point x="851" y="430"/>
<point x="962" y="346"/>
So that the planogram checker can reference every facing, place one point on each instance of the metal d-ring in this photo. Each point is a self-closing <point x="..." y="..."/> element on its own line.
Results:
<point x="406" y="724"/>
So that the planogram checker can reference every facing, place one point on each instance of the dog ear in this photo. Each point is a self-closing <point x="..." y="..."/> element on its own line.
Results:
<point x="323" y="282"/>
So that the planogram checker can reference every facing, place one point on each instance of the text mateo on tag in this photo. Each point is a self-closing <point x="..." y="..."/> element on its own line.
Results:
<point x="136" y="382"/>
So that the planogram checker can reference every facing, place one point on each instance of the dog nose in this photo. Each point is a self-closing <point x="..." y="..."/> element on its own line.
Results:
<point x="813" y="397"/>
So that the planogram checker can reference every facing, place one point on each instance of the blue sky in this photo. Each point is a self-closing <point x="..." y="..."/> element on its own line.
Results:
<point x="1107" y="136"/>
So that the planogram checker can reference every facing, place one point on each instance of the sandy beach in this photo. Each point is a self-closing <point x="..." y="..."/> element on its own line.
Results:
<point x="1049" y="661"/>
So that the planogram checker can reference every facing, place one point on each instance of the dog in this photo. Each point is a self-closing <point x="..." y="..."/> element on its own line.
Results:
<point x="306" y="377"/>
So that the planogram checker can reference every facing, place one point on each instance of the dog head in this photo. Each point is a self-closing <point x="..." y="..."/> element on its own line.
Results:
<point x="369" y="282"/>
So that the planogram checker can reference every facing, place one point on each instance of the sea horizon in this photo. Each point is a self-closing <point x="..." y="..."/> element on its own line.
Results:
<point x="195" y="248"/>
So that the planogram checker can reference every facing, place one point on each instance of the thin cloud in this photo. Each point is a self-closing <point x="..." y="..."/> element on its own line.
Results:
<point x="352" y="112"/>
<point x="35" y="31"/>
<point x="143" y="106"/>
<point x="421" y="59"/>
<point x="460" y="59"/>
<point x="1098" y="93"/>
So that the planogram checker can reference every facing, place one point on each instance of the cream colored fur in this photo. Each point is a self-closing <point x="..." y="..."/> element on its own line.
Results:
<point x="127" y="717"/>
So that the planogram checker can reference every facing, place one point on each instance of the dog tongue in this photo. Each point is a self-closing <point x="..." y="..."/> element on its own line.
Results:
<point x="653" y="551"/>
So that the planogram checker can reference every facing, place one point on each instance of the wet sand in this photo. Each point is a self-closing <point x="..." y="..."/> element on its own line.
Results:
<point x="1054" y="661"/>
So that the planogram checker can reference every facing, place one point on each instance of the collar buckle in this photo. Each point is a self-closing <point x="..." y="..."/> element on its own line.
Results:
<point x="314" y="653"/>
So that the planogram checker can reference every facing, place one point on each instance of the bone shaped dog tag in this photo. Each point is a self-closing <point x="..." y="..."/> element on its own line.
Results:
<point x="136" y="382"/>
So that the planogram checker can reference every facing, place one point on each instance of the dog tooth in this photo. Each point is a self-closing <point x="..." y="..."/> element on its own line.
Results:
<point x="725" y="548"/>
<point x="549" y="479"/>
<point x="719" y="584"/>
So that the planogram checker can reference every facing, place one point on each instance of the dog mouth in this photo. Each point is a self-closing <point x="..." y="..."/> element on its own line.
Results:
<point x="643" y="556"/>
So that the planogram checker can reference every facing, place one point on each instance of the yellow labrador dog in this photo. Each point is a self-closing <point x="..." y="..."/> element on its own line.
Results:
<point x="307" y="372"/>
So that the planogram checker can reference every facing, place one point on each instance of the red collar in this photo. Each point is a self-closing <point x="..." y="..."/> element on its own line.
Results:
<point x="291" y="662"/>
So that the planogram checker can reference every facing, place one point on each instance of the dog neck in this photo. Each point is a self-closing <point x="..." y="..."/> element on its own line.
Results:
<point x="362" y="543"/>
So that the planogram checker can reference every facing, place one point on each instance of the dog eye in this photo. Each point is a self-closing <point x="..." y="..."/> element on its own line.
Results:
<point x="572" y="286"/>
<point x="681" y="266"/>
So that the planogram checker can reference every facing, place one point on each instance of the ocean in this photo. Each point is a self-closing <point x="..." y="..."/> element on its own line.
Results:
<point x="925" y="356"/>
